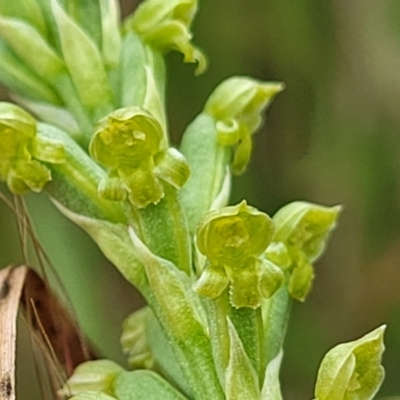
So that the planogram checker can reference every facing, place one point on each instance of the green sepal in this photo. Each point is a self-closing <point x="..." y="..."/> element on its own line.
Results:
<point x="271" y="278"/>
<point x="353" y="370"/>
<point x="171" y="166"/>
<point x="145" y="385"/>
<point x="134" y="341"/>
<point x="85" y="65"/>
<point x="41" y="58"/>
<point x="212" y="282"/>
<point x="241" y="380"/>
<point x="98" y="375"/>
<point x="166" y="26"/>
<point x="92" y="395"/>
<point x="236" y="105"/>
<point x="271" y="389"/>
<point x="233" y="234"/>
<point x="301" y="278"/>
<point x="278" y="253"/>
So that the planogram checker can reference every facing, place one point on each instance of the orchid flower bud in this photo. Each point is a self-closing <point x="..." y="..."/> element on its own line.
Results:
<point x="303" y="228"/>
<point x="236" y="104"/>
<point x="353" y="370"/>
<point x="98" y="375"/>
<point x="233" y="239"/>
<point x="128" y="142"/>
<point x="165" y="24"/>
<point x="22" y="149"/>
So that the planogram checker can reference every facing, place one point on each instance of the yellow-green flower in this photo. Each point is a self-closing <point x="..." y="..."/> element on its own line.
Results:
<point x="233" y="239"/>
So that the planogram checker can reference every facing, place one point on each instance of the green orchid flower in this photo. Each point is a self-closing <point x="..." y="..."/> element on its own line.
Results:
<point x="22" y="151"/>
<point x="233" y="239"/>
<point x="128" y="142"/>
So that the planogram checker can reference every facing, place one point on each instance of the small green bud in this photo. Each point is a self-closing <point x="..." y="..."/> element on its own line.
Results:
<point x="166" y="26"/>
<point x="92" y="395"/>
<point x="98" y="375"/>
<point x="236" y="105"/>
<point x="352" y="371"/>
<point x="128" y="142"/>
<point x="134" y="341"/>
<point x="21" y="149"/>
<point x="233" y="239"/>
<point x="303" y="229"/>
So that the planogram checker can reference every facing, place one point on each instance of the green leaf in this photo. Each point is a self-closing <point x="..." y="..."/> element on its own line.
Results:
<point x="111" y="38"/>
<point x="209" y="172"/>
<point x="353" y="370"/>
<point x="144" y="385"/>
<point x="41" y="58"/>
<point x="20" y="79"/>
<point x="241" y="378"/>
<point x="85" y="65"/>
<point x="271" y="388"/>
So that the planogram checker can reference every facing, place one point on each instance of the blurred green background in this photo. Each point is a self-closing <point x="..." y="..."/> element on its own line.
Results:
<point x="332" y="137"/>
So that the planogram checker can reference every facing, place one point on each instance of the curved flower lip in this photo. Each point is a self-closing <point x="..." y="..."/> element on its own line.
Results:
<point x="234" y="233"/>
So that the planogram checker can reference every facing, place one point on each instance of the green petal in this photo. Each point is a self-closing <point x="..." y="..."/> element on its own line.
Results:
<point x="172" y="167"/>
<point x="271" y="278"/>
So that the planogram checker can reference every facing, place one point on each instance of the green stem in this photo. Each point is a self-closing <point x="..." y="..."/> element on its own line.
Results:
<point x="163" y="229"/>
<point x="275" y="313"/>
